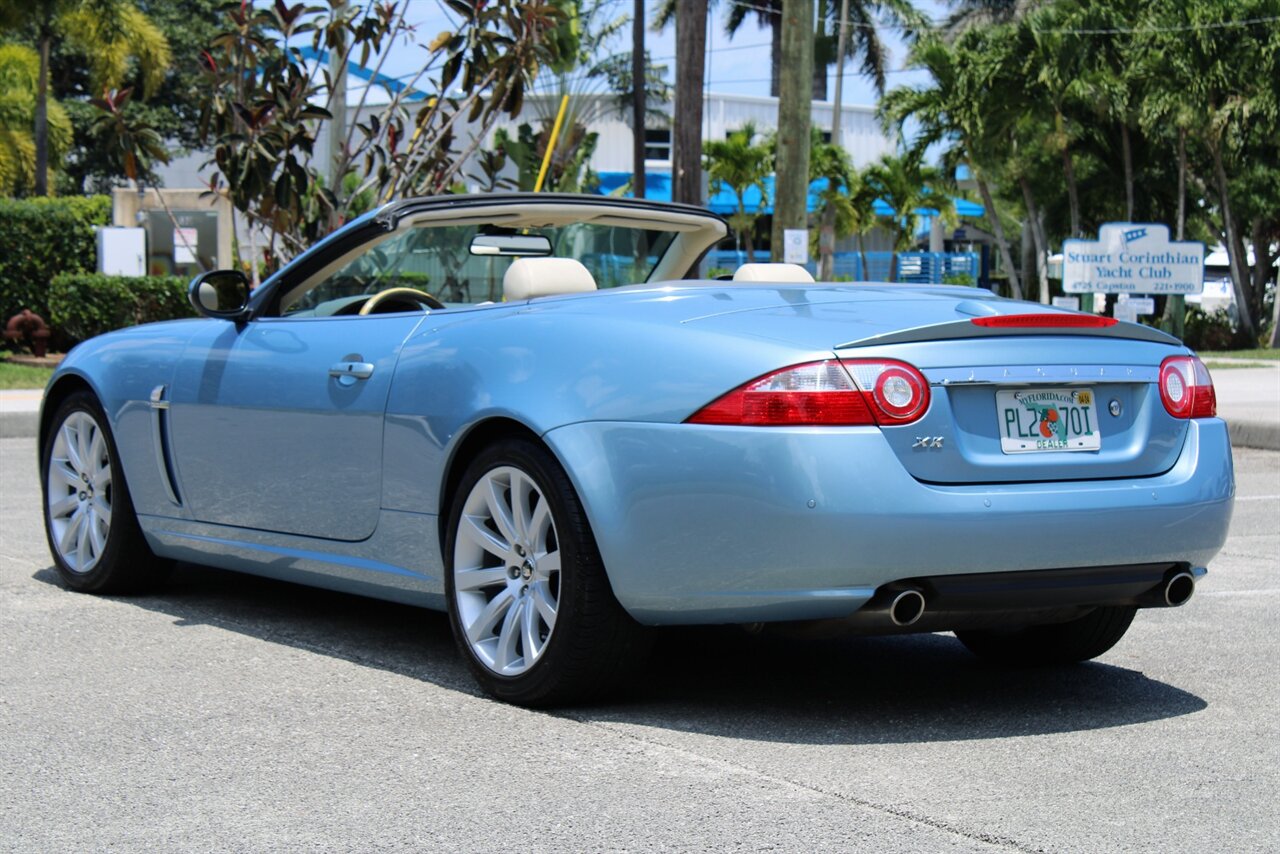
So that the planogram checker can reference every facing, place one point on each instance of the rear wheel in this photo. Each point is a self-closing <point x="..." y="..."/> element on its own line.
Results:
<point x="1057" y="643"/>
<point x="93" y="533"/>
<point x="530" y="605"/>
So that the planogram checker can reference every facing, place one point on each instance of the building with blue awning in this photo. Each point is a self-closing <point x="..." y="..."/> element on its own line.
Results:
<point x="725" y="202"/>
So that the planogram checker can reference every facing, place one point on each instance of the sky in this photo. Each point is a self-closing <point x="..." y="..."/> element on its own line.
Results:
<point x="735" y="66"/>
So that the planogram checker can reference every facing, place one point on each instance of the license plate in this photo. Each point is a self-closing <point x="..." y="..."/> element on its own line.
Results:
<point x="1035" y="420"/>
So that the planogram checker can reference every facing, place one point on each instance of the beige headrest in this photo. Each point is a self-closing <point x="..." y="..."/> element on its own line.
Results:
<point x="539" y="277"/>
<point x="772" y="273"/>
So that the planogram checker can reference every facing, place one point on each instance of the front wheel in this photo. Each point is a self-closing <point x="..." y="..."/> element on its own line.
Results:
<point x="93" y="533"/>
<point x="529" y="601"/>
<point x="1056" y="643"/>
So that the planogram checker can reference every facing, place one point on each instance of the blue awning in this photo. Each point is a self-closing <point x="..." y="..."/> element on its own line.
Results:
<point x="725" y="202"/>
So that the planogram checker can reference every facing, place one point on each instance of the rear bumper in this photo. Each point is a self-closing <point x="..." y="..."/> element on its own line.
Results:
<point x="708" y="524"/>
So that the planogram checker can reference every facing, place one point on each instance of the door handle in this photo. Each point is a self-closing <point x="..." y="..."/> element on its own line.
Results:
<point x="348" y="372"/>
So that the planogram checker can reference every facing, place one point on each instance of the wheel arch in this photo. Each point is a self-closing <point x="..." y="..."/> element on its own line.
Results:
<point x="467" y="448"/>
<point x="63" y="387"/>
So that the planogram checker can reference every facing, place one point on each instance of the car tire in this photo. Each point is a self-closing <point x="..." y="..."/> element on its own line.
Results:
<point x="1057" y="643"/>
<point x="93" y="532"/>
<point x="529" y="601"/>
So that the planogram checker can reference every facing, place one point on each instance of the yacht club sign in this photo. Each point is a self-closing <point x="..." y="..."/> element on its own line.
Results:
<point x="1132" y="258"/>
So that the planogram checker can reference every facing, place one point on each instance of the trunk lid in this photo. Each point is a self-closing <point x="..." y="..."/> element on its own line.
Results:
<point x="1041" y="389"/>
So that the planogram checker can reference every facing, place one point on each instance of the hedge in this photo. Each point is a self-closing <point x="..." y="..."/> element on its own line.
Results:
<point x="40" y="238"/>
<point x="83" y="305"/>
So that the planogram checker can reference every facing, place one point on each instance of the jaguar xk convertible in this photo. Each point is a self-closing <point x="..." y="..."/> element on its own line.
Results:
<point x="516" y="409"/>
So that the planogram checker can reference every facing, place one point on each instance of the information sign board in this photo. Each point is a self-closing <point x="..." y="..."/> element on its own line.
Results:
<point x="795" y="242"/>
<point x="1132" y="258"/>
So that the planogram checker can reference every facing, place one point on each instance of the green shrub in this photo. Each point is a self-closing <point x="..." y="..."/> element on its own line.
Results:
<point x="1207" y="331"/>
<point x="40" y="238"/>
<point x="83" y="305"/>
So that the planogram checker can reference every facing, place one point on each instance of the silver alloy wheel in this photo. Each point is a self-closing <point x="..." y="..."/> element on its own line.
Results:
<point x="79" y="491"/>
<point x="506" y="571"/>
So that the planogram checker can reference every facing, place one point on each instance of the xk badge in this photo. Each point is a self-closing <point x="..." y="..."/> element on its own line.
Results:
<point x="928" y="442"/>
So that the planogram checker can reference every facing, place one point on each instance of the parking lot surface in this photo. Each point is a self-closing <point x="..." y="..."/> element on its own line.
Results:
<point x="234" y="713"/>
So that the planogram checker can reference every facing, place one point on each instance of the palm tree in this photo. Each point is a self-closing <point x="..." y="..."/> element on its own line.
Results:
<point x="838" y="210"/>
<point x="19" y="70"/>
<point x="958" y="107"/>
<point x="740" y="162"/>
<point x="906" y="184"/>
<point x="867" y="18"/>
<point x="866" y="21"/>
<point x="110" y="33"/>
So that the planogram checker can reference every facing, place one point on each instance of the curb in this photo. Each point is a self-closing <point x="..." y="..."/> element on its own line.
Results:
<point x="1254" y="434"/>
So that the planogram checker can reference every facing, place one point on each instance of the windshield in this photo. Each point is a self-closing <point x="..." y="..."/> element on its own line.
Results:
<point x="438" y="259"/>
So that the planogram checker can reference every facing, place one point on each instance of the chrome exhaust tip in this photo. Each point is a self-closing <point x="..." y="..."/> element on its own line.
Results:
<point x="1179" y="589"/>
<point x="907" y="607"/>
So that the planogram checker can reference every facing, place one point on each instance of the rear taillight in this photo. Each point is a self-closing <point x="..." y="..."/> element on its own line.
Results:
<point x="1186" y="389"/>
<point x="1045" y="321"/>
<point x="824" y="394"/>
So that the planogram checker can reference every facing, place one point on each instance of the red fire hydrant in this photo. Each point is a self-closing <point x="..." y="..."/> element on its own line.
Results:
<point x="31" y="325"/>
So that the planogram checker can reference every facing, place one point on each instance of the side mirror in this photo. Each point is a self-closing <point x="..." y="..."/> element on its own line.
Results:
<point x="221" y="294"/>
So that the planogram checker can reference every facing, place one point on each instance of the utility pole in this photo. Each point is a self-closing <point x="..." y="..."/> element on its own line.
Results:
<point x="637" y="101"/>
<point x="827" y="237"/>
<point x="795" y="102"/>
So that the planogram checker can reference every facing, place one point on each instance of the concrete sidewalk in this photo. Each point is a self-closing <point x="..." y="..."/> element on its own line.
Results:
<point x="1248" y="399"/>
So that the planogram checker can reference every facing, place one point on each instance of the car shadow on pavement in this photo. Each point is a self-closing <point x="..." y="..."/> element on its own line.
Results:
<point x="714" y="681"/>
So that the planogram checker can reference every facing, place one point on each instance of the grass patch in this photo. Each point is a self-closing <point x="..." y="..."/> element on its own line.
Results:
<point x="22" y="376"/>
<point x="1227" y="366"/>
<point x="1258" y="353"/>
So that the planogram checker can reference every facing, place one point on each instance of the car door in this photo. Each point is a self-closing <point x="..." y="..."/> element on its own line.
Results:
<point x="277" y="425"/>
<point x="277" y="422"/>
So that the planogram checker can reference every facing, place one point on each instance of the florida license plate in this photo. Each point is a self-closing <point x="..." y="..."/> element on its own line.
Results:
<point x="1048" y="419"/>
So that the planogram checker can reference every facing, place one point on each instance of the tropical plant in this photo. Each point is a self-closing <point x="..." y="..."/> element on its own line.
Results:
<point x="269" y="104"/>
<point x="906" y="185"/>
<point x="842" y="209"/>
<point x="741" y="161"/>
<point x="19" y="71"/>
<point x="961" y="110"/>
<point x="110" y="34"/>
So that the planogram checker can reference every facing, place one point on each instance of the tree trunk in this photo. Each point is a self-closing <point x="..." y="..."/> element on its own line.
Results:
<point x="862" y="253"/>
<point x="1261" y="266"/>
<point x="686" y="137"/>
<point x="791" y="183"/>
<point x="819" y="66"/>
<point x="1175" y="308"/>
<point x="1247" y="331"/>
<point x="775" y="48"/>
<point x="41" y="131"/>
<point x="1037" y="237"/>
<point x="1015" y="286"/>
<point x="637" y="101"/>
<point x="745" y="231"/>
<point x="1073" y="197"/>
<point x="1126" y="154"/>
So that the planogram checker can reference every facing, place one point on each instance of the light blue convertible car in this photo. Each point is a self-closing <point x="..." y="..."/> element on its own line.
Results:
<point x="467" y="404"/>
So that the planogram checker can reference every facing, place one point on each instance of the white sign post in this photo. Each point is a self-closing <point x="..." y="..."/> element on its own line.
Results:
<point x="795" y="245"/>
<point x="1132" y="258"/>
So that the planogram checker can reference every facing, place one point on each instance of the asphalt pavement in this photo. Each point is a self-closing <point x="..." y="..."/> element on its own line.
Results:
<point x="235" y="713"/>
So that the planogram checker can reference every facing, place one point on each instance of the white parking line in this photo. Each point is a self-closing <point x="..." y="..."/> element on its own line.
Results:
<point x="1257" y="497"/>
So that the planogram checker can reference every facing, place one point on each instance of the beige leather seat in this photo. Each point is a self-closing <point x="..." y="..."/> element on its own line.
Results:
<point x="772" y="273"/>
<point x="527" y="278"/>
